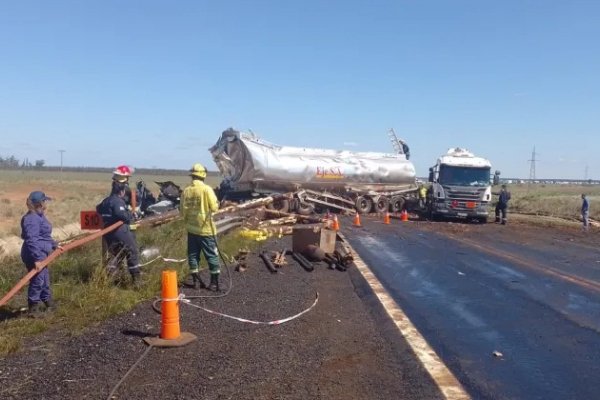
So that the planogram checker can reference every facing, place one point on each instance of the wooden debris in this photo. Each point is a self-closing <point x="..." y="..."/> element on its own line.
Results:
<point x="279" y="258"/>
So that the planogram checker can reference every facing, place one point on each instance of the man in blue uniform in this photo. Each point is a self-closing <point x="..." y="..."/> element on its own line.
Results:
<point x="502" y="205"/>
<point x="36" y="232"/>
<point x="585" y="212"/>
<point x="121" y="242"/>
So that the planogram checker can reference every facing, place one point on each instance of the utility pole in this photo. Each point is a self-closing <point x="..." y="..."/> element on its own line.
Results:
<point x="532" y="165"/>
<point x="61" y="159"/>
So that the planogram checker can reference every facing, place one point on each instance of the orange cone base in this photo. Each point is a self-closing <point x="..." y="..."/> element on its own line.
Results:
<point x="184" y="339"/>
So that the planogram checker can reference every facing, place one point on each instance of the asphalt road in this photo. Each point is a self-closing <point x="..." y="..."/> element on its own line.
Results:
<point x="531" y="295"/>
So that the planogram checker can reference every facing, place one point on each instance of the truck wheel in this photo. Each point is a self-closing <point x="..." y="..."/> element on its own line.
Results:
<point x="396" y="204"/>
<point x="305" y="208"/>
<point x="382" y="204"/>
<point x="363" y="204"/>
<point x="282" y="205"/>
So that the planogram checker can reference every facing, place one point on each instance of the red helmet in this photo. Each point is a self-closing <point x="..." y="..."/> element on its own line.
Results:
<point x="123" y="170"/>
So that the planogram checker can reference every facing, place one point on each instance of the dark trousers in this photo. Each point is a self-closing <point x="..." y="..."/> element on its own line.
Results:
<point x="122" y="245"/>
<point x="501" y="208"/>
<point x="207" y="245"/>
<point x="39" y="287"/>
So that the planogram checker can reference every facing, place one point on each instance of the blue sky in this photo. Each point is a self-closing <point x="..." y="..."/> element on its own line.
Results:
<point x="153" y="83"/>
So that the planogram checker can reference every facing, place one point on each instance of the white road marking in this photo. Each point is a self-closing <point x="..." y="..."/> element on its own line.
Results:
<point x="441" y="375"/>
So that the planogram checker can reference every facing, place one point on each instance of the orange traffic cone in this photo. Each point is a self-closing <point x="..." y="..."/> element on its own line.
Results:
<point x="170" y="334"/>
<point x="404" y="216"/>
<point x="336" y="223"/>
<point x="386" y="218"/>
<point x="357" y="219"/>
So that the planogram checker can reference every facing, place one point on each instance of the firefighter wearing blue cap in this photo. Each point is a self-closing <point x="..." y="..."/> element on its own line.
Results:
<point x="198" y="203"/>
<point x="121" y="242"/>
<point x="36" y="232"/>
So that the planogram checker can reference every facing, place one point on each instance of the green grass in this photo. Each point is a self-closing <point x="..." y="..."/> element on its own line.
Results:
<point x="84" y="293"/>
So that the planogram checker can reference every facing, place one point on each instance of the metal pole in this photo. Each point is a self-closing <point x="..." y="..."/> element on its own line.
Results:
<point x="61" y="159"/>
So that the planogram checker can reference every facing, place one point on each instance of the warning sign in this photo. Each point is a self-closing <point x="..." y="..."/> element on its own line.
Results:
<point x="91" y="220"/>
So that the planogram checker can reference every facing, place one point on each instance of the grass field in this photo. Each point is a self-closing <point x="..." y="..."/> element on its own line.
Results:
<point x="72" y="192"/>
<point x="563" y="201"/>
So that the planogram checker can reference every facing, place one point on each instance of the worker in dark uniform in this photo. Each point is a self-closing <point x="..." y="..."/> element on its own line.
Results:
<point x="121" y="174"/>
<point x="121" y="242"/>
<point x="36" y="232"/>
<point x="502" y="205"/>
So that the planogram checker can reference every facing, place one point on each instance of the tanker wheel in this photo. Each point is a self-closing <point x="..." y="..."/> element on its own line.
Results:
<point x="363" y="204"/>
<point x="282" y="205"/>
<point x="382" y="204"/>
<point x="396" y="204"/>
<point x="305" y="208"/>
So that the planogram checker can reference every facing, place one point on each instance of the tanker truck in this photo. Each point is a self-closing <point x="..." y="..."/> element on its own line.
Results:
<point x="309" y="179"/>
<point x="460" y="186"/>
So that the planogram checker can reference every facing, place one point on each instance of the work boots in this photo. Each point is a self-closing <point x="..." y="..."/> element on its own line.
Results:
<point x="214" y="283"/>
<point x="197" y="281"/>
<point x="136" y="280"/>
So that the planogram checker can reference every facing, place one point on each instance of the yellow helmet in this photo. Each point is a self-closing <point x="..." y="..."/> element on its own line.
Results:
<point x="198" y="170"/>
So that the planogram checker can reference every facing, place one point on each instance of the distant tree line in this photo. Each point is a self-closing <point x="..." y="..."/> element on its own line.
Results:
<point x="12" y="162"/>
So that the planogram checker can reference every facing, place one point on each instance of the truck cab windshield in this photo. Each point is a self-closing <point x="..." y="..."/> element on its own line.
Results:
<point x="464" y="176"/>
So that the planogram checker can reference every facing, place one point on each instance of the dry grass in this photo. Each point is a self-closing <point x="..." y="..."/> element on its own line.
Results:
<point x="72" y="192"/>
<point x="562" y="201"/>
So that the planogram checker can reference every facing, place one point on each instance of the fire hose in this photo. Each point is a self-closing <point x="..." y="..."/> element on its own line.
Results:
<point x="53" y="256"/>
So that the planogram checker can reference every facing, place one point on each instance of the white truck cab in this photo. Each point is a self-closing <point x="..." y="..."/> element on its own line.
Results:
<point x="460" y="186"/>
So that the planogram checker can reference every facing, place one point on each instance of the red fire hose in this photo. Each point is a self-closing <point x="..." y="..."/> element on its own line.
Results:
<point x="55" y="254"/>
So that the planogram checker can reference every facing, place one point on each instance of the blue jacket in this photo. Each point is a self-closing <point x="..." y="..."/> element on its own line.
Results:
<point x="36" y="232"/>
<point x="504" y="197"/>
<point x="113" y="209"/>
<point x="585" y="206"/>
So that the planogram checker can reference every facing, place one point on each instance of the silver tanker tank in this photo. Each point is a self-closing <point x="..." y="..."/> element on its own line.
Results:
<point x="248" y="163"/>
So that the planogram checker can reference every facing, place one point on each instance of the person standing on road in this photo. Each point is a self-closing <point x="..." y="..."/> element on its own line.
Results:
<point x="502" y="205"/>
<point x="121" y="242"/>
<point x="585" y="212"/>
<point x="198" y="203"/>
<point x="422" y="196"/>
<point x="36" y="232"/>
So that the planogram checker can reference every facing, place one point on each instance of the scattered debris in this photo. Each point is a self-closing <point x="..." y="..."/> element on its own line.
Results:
<point x="461" y="273"/>
<point x="496" y="353"/>
<point x="279" y="258"/>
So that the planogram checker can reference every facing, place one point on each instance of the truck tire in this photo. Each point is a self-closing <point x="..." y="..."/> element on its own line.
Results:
<point x="396" y="204"/>
<point x="382" y="204"/>
<point x="363" y="204"/>
<point x="282" y="205"/>
<point x="305" y="208"/>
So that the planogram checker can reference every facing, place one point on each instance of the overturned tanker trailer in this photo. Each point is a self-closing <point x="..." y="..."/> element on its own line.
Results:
<point x="314" y="179"/>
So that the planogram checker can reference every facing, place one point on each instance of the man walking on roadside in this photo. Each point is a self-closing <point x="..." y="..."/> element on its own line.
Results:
<point x="198" y="203"/>
<point x="585" y="212"/>
<point x="502" y="205"/>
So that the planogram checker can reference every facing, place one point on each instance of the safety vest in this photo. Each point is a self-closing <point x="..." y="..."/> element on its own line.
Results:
<point x="198" y="202"/>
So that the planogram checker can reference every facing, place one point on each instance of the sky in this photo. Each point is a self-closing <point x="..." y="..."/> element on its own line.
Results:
<point x="154" y="83"/>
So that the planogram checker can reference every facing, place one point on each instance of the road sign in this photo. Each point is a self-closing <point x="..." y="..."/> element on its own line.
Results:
<point x="91" y="220"/>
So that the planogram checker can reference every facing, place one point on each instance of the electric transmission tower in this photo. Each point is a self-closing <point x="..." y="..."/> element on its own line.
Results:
<point x="532" y="165"/>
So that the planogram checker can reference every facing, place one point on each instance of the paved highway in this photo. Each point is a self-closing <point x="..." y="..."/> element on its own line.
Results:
<point x="524" y="297"/>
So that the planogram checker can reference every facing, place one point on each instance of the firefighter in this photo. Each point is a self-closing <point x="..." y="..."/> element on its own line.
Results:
<point x="198" y="203"/>
<point x="36" y="232"/>
<point x="121" y="242"/>
<point x="502" y="205"/>
<point x="121" y="174"/>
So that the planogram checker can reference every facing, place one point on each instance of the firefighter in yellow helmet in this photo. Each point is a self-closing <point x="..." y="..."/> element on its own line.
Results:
<point x="198" y="203"/>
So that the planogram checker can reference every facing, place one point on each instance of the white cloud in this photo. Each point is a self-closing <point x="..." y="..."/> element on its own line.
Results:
<point x="350" y="144"/>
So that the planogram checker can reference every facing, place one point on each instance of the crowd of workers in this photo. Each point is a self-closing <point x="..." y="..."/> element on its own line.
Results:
<point x="197" y="204"/>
